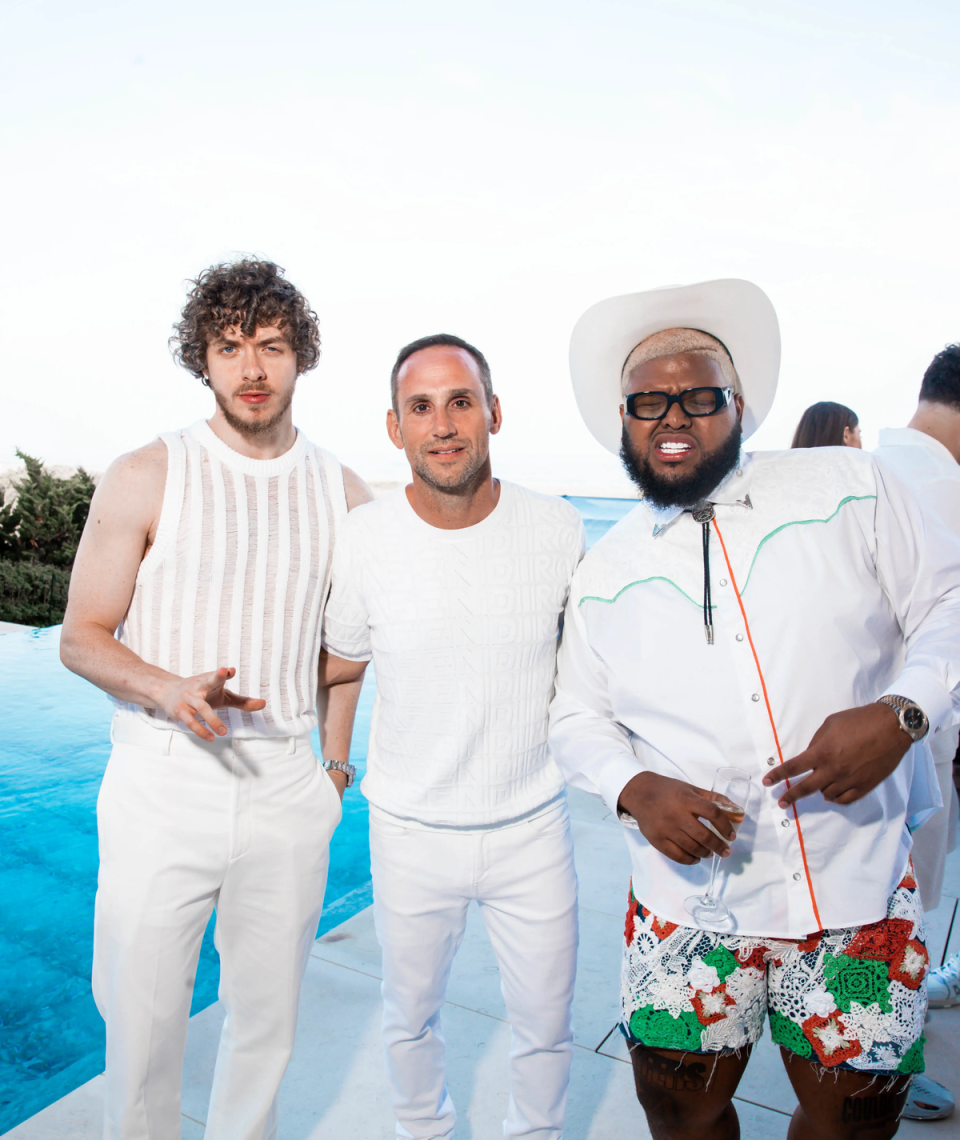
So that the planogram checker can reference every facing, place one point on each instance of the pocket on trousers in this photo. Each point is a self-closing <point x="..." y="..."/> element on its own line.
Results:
<point x="331" y="792"/>
<point x="553" y="822"/>
<point x="388" y="828"/>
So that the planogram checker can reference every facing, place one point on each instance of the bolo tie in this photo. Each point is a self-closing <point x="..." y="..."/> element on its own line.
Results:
<point x="703" y="513"/>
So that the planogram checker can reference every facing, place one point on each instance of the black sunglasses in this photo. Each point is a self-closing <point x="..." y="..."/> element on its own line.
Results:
<point x="693" y="401"/>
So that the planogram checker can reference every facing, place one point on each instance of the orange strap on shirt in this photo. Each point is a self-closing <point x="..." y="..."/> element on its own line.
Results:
<point x="776" y="736"/>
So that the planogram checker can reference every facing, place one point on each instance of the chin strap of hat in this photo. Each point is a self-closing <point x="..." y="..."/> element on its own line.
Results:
<point x="703" y="514"/>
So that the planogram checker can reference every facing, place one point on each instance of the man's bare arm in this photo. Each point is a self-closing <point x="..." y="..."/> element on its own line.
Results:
<point x="338" y="692"/>
<point x="340" y="681"/>
<point x="120" y="529"/>
<point x="356" y="490"/>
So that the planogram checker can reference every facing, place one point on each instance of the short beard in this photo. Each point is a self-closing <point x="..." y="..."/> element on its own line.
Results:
<point x="685" y="490"/>
<point x="464" y="483"/>
<point x="250" y="429"/>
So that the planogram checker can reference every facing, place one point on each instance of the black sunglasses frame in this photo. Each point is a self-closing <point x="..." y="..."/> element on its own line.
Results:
<point x="721" y="396"/>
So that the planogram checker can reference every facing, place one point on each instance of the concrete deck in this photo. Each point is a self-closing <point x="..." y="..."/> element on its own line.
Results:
<point x="334" y="1088"/>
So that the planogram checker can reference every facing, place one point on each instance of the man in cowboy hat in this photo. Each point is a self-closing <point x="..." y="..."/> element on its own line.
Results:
<point x="794" y="615"/>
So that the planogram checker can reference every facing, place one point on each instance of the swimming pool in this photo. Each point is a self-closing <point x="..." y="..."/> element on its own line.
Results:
<point x="54" y="748"/>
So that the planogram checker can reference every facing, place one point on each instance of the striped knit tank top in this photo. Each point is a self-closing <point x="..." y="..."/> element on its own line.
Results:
<point x="238" y="576"/>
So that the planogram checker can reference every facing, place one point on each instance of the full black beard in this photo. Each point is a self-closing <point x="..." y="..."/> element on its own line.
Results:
<point x="686" y="490"/>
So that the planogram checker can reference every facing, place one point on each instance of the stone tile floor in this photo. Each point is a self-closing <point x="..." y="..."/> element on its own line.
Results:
<point x="334" y="1088"/>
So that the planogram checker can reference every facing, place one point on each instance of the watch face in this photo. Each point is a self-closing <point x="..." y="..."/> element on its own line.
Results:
<point x="913" y="718"/>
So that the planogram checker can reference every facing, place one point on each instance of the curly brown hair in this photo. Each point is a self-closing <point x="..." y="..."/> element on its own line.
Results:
<point x="249" y="294"/>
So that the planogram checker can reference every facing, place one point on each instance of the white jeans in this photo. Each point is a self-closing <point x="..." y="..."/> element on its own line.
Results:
<point x="937" y="838"/>
<point x="523" y="877"/>
<point x="240" y="825"/>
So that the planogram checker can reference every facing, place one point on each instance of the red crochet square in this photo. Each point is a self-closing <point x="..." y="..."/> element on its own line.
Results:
<point x="810" y="943"/>
<point x="826" y="1035"/>
<point x="711" y="996"/>
<point x="630" y="927"/>
<point x="663" y="929"/>
<point x="881" y="941"/>
<point x="909" y="966"/>
<point x="908" y="882"/>
<point x="754" y="960"/>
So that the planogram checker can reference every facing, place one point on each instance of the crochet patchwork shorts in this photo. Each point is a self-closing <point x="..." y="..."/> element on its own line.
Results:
<point x="851" y="998"/>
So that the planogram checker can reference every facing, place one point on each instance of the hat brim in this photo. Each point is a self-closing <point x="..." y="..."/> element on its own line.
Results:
<point x="736" y="312"/>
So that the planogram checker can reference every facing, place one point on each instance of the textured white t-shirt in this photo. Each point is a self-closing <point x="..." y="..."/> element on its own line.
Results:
<point x="462" y="626"/>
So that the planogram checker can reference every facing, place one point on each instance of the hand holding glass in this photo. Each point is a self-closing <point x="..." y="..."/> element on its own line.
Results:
<point x="730" y="790"/>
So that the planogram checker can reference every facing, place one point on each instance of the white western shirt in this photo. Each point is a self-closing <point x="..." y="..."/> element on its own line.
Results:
<point x="850" y="592"/>
<point x="933" y="475"/>
<point x="462" y="627"/>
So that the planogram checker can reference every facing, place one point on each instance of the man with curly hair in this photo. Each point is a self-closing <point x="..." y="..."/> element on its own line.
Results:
<point x="206" y="561"/>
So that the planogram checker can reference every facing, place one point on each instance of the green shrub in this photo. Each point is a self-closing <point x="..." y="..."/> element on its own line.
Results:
<point x="39" y="534"/>
<point x="45" y="523"/>
<point x="32" y="594"/>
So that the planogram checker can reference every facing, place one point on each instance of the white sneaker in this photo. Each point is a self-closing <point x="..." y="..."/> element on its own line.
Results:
<point x="943" y="984"/>
<point x="928" y="1100"/>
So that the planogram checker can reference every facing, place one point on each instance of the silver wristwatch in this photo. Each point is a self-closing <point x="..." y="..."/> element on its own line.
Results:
<point x="913" y="720"/>
<point x="338" y="766"/>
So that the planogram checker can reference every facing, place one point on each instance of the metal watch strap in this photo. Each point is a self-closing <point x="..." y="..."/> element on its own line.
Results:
<point x="900" y="705"/>
<point x="349" y="770"/>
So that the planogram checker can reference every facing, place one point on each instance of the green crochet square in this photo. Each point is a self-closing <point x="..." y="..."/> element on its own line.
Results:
<point x="913" y="1058"/>
<point x="723" y="961"/>
<point x="857" y="979"/>
<point x="657" y="1029"/>
<point x="788" y="1034"/>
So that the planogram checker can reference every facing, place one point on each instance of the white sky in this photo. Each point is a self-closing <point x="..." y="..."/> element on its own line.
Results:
<point x="484" y="169"/>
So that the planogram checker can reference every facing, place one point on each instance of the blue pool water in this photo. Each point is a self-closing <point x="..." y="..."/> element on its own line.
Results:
<point x="54" y="746"/>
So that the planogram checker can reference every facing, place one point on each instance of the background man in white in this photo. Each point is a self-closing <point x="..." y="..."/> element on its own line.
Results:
<point x="210" y="549"/>
<point x="455" y="586"/>
<point x="926" y="456"/>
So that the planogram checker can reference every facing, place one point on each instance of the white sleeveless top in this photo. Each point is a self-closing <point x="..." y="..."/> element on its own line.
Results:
<point x="239" y="575"/>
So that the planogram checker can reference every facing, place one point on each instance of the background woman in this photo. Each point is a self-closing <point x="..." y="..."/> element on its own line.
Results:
<point x="827" y="425"/>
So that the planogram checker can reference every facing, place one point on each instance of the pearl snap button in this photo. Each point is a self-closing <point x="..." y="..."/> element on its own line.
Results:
<point x="784" y="822"/>
<point x="771" y="761"/>
<point x="723" y="581"/>
<point x="755" y="697"/>
<point x="739" y="637"/>
<point x="796" y="876"/>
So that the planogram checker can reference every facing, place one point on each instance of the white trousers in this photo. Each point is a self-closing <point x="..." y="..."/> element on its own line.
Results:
<point x="937" y="838"/>
<point x="523" y="877"/>
<point x="240" y="825"/>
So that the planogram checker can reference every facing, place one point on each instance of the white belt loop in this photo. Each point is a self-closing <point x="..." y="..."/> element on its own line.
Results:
<point x="167" y="735"/>
<point x="291" y="745"/>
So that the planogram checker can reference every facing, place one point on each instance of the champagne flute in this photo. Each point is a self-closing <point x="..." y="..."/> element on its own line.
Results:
<point x="730" y="789"/>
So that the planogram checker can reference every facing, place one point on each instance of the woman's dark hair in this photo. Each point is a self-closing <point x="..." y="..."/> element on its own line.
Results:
<point x="821" y="425"/>
<point x="249" y="294"/>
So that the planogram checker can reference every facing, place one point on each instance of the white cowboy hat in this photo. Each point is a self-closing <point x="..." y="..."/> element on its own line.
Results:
<point x="736" y="312"/>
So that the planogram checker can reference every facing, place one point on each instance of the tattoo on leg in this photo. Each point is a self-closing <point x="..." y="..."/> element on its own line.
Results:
<point x="672" y="1076"/>
<point x="874" y="1109"/>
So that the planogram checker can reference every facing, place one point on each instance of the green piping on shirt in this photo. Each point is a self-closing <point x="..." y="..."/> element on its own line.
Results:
<point x="799" y="522"/>
<point x="639" y="582"/>
<point x="670" y="582"/>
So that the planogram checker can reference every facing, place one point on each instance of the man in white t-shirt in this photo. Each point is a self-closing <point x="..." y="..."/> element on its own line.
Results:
<point x="926" y="456"/>
<point x="454" y="586"/>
